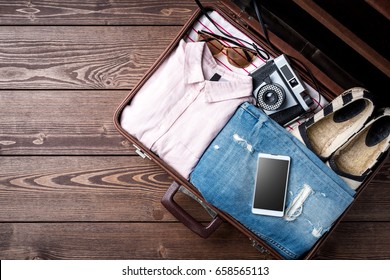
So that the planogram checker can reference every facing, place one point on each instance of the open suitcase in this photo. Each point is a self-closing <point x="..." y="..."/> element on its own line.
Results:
<point x="231" y="19"/>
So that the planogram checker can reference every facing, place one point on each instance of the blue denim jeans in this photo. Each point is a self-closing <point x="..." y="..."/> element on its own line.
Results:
<point x="225" y="175"/>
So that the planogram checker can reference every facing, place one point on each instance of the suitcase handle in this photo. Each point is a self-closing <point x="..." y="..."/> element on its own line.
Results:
<point x="184" y="217"/>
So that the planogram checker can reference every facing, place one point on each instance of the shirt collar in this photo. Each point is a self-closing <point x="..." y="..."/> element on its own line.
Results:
<point x="231" y="86"/>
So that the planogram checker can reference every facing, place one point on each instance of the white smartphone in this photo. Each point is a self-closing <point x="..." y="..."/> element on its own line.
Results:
<point x="271" y="183"/>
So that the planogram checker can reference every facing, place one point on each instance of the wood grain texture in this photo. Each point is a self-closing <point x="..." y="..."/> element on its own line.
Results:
<point x="120" y="241"/>
<point x="61" y="123"/>
<point x="116" y="188"/>
<point x="95" y="12"/>
<point x="372" y="205"/>
<point x="86" y="189"/>
<point x="82" y="57"/>
<point x="168" y="241"/>
<point x="361" y="240"/>
<point x="70" y="187"/>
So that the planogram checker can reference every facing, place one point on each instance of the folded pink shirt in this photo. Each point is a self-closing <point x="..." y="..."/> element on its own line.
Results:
<point x="179" y="111"/>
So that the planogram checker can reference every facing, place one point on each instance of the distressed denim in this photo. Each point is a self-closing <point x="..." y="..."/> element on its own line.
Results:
<point x="225" y="176"/>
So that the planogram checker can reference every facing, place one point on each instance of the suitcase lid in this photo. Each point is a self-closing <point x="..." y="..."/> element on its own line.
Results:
<point x="346" y="41"/>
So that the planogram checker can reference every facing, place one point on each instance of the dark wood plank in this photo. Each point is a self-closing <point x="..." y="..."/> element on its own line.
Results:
<point x="372" y="205"/>
<point x="60" y="122"/>
<point x="116" y="188"/>
<point x="95" y="12"/>
<point x="169" y="241"/>
<point x="374" y="199"/>
<point x="108" y="207"/>
<point x="86" y="189"/>
<point x="384" y="174"/>
<point x="82" y="57"/>
<point x="120" y="241"/>
<point x="70" y="122"/>
<point x="364" y="240"/>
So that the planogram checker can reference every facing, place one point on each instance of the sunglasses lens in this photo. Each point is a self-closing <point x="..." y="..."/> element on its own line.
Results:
<point x="213" y="44"/>
<point x="239" y="57"/>
<point x="236" y="56"/>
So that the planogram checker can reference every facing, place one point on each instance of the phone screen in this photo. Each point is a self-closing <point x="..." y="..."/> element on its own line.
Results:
<point x="271" y="183"/>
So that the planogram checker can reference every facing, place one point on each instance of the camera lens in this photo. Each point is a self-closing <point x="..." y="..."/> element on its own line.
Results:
<point x="270" y="97"/>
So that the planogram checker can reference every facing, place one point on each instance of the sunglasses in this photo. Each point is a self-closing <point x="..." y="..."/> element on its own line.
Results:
<point x="238" y="56"/>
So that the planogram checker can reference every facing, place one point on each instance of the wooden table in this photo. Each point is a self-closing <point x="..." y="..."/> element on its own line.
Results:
<point x="70" y="186"/>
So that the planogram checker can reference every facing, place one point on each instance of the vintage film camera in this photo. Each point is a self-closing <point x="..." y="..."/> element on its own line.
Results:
<point x="279" y="91"/>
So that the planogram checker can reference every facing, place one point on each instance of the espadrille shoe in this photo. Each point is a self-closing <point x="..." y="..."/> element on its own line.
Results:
<point x="355" y="159"/>
<point x="331" y="127"/>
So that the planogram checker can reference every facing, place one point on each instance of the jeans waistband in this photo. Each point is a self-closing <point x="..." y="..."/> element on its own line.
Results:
<point x="254" y="111"/>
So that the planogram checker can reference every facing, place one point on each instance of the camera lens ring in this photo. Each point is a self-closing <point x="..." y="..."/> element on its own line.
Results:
<point x="270" y="97"/>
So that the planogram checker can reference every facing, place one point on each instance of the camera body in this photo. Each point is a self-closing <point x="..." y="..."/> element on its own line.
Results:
<point x="279" y="91"/>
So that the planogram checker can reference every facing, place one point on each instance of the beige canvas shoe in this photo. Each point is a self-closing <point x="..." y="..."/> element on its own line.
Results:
<point x="331" y="127"/>
<point x="355" y="160"/>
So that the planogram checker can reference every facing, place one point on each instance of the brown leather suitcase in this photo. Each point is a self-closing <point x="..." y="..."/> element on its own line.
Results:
<point x="250" y="27"/>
